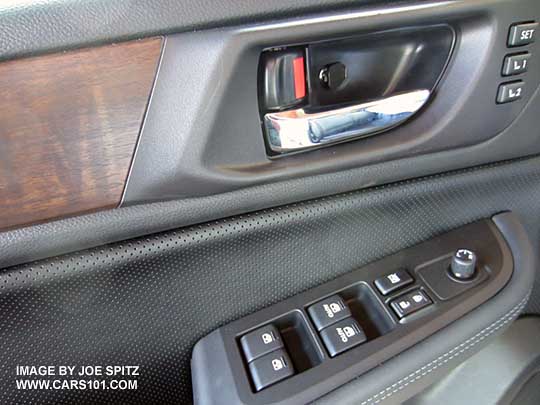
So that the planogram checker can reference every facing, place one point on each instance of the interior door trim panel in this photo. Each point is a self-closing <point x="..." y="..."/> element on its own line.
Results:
<point x="256" y="202"/>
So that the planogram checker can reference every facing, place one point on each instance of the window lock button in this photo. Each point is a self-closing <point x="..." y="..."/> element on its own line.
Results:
<point x="328" y="311"/>
<point x="260" y="342"/>
<point x="393" y="281"/>
<point x="342" y="336"/>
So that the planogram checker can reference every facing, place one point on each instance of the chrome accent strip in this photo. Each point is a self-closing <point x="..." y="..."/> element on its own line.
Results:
<point x="295" y="130"/>
<point x="351" y="15"/>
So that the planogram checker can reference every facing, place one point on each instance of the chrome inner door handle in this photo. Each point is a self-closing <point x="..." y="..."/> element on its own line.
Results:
<point x="296" y="130"/>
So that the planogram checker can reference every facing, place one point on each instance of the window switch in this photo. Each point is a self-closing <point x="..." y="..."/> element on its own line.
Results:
<point x="409" y="303"/>
<point x="270" y="368"/>
<point x="342" y="336"/>
<point x="393" y="281"/>
<point x="328" y="311"/>
<point x="260" y="342"/>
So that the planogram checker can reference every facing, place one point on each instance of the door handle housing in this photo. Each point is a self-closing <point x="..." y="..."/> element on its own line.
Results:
<point x="327" y="92"/>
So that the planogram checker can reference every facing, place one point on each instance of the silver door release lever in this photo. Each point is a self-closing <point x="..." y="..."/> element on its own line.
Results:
<point x="295" y="130"/>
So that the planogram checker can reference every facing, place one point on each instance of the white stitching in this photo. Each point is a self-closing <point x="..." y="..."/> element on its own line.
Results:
<point x="476" y="338"/>
<point x="429" y="367"/>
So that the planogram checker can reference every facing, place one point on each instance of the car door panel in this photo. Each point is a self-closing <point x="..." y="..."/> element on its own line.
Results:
<point x="206" y="226"/>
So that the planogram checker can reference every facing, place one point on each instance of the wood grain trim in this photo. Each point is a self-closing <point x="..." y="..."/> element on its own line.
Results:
<point x="69" y="125"/>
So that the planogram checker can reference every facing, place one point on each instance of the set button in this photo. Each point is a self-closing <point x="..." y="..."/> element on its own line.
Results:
<point x="522" y="34"/>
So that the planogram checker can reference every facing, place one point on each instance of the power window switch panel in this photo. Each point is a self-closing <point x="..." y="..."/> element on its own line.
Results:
<point x="328" y="311"/>
<point x="393" y="281"/>
<point x="522" y="34"/>
<point x="516" y="64"/>
<point x="410" y="302"/>
<point x="270" y="369"/>
<point x="342" y="336"/>
<point x="509" y="92"/>
<point x="260" y="342"/>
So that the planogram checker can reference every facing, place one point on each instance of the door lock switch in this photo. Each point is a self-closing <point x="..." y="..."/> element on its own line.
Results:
<point x="270" y="369"/>
<point x="260" y="342"/>
<point x="393" y="281"/>
<point x="410" y="302"/>
<point x="342" y="336"/>
<point x="328" y="311"/>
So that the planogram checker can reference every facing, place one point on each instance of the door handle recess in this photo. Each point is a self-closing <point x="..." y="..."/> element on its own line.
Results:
<point x="321" y="93"/>
<point x="295" y="130"/>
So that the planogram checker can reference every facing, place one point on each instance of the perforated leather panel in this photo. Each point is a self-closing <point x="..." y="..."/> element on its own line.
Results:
<point x="146" y="302"/>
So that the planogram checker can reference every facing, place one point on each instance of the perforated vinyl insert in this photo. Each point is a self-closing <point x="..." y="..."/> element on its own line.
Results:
<point x="146" y="302"/>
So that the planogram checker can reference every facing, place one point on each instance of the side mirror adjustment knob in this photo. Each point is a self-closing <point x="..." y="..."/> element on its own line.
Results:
<point x="463" y="266"/>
